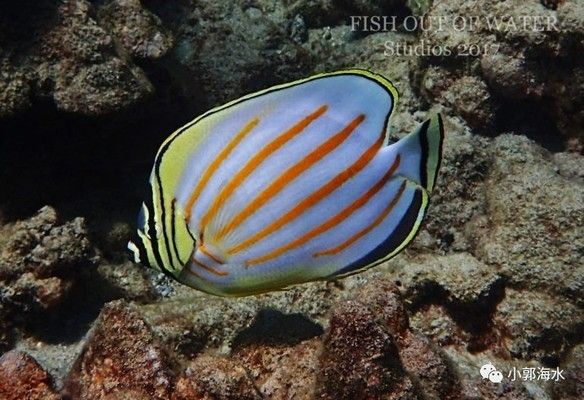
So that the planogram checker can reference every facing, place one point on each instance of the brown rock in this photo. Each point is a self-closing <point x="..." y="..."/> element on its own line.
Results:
<point x="40" y="262"/>
<point x="529" y="69"/>
<point x="486" y="390"/>
<point x="360" y="359"/>
<point x="44" y="246"/>
<point x="21" y="377"/>
<point x="215" y="378"/>
<point x="507" y="75"/>
<point x="281" y="372"/>
<point x="429" y="367"/>
<point x="121" y="354"/>
<point x="233" y="50"/>
<point x="383" y="298"/>
<point x="131" y="394"/>
<point x="536" y="218"/>
<point x="138" y="31"/>
<point x="64" y="54"/>
<point x="435" y="322"/>
<point x="537" y="325"/>
<point x="572" y="386"/>
<point x="370" y="352"/>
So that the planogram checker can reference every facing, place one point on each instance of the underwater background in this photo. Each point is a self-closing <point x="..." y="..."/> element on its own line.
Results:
<point x="89" y="90"/>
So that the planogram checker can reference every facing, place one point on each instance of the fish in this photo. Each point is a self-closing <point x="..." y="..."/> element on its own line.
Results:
<point x="294" y="183"/>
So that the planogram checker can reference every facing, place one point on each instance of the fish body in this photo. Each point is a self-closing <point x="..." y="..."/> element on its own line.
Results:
<point x="291" y="184"/>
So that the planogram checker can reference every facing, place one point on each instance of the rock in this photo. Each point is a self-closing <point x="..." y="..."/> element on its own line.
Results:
<point x="424" y="363"/>
<point x="435" y="322"/>
<point x="40" y="263"/>
<point x="78" y="61"/>
<point x="215" y="378"/>
<point x="453" y="298"/>
<point x="375" y="7"/>
<point x="121" y="354"/>
<point x="384" y="300"/>
<point x="369" y="350"/>
<point x="42" y="246"/>
<point x="21" y="377"/>
<point x="537" y="326"/>
<point x="571" y="166"/>
<point x="419" y="7"/>
<point x="283" y="372"/>
<point x="459" y="280"/>
<point x="572" y="386"/>
<point x="14" y="90"/>
<point x="6" y="331"/>
<point x="55" y="358"/>
<point x="507" y="76"/>
<point x="131" y="394"/>
<point x="571" y="21"/>
<point x="429" y="368"/>
<point x="511" y="65"/>
<point x="135" y="29"/>
<point x="100" y="89"/>
<point x="469" y="97"/>
<point x="317" y="14"/>
<point x="230" y="51"/>
<point x="536" y="218"/>
<point x="200" y="321"/>
<point x="127" y="281"/>
<point x="67" y="56"/>
<point x="360" y="359"/>
<point x="473" y="386"/>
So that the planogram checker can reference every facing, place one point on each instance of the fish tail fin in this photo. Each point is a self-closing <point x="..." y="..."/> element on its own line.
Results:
<point x="421" y="153"/>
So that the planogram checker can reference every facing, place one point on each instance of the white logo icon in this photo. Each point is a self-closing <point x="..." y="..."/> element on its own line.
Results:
<point x="488" y="371"/>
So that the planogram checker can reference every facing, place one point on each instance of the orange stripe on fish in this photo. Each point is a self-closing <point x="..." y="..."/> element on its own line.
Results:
<point x="209" y="269"/>
<point x="290" y="174"/>
<point x="368" y="229"/>
<point x="331" y="222"/>
<point x="216" y="163"/>
<point x="256" y="160"/>
<point x="204" y="250"/>
<point x="312" y="199"/>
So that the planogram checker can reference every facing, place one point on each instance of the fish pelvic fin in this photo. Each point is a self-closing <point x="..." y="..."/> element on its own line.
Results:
<point x="421" y="153"/>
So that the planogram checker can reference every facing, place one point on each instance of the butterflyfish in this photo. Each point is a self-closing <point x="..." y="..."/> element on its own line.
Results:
<point x="291" y="184"/>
